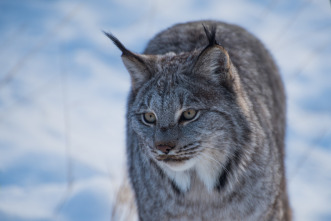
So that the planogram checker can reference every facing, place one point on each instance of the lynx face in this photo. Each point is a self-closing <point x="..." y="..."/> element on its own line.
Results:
<point x="175" y="122"/>
<point x="184" y="111"/>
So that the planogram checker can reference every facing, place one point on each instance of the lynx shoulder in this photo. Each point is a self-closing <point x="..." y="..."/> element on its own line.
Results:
<point x="205" y="126"/>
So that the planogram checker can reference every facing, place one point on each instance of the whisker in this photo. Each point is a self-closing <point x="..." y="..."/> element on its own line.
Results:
<point x="213" y="159"/>
<point x="191" y="146"/>
<point x="225" y="151"/>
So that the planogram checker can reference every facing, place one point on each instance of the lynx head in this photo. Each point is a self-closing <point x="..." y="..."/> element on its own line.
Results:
<point x="187" y="112"/>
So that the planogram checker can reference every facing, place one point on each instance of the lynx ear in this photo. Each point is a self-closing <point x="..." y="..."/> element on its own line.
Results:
<point x="213" y="62"/>
<point x="136" y="64"/>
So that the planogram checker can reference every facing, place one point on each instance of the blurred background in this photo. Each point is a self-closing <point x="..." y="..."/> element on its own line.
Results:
<point x="63" y="94"/>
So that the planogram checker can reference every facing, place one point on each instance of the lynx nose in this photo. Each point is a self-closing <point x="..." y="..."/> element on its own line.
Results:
<point x="165" y="148"/>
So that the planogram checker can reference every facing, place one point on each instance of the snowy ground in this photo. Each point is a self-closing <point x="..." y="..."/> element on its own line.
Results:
<point x="63" y="91"/>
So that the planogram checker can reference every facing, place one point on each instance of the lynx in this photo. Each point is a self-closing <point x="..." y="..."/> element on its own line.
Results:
<point x="205" y="126"/>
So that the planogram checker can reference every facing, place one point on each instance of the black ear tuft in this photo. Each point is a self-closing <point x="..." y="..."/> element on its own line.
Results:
<point x="211" y="34"/>
<point x="138" y="65"/>
<point x="118" y="43"/>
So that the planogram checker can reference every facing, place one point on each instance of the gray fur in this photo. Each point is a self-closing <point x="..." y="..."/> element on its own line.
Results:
<point x="227" y="163"/>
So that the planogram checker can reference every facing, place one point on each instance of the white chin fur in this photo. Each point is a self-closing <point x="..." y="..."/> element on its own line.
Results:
<point x="179" y="173"/>
<point x="181" y="166"/>
<point x="206" y="169"/>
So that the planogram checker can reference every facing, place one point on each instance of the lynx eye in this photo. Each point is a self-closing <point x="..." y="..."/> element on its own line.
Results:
<point x="189" y="114"/>
<point x="149" y="118"/>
